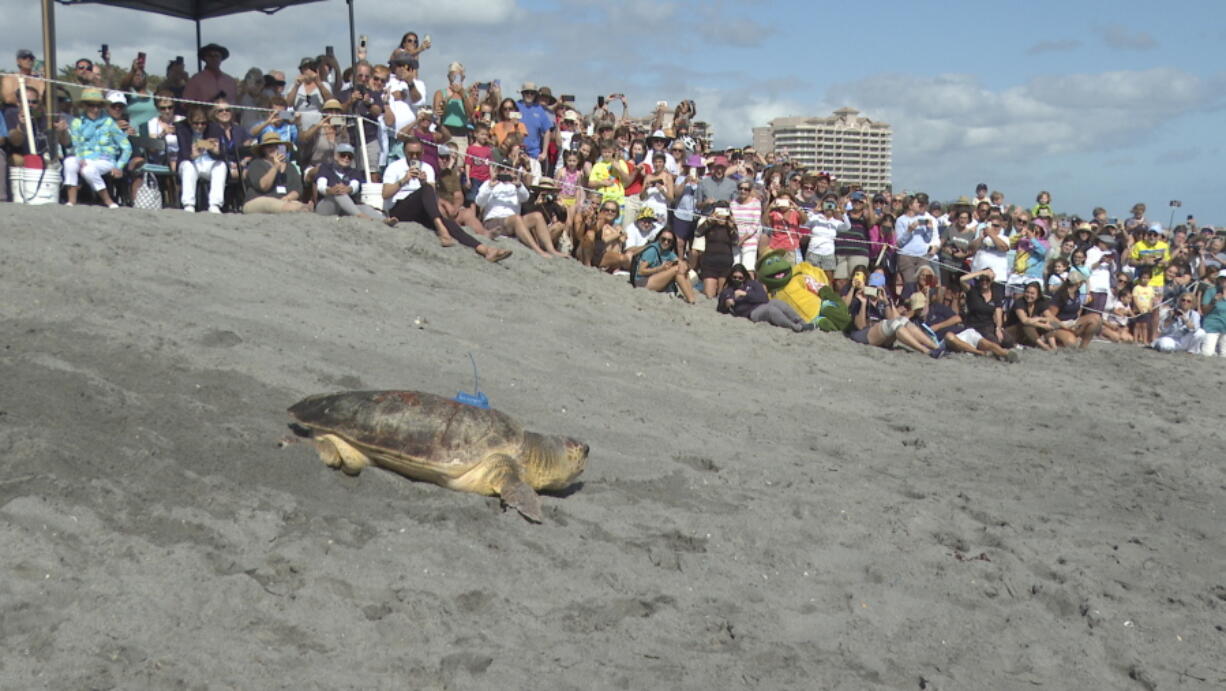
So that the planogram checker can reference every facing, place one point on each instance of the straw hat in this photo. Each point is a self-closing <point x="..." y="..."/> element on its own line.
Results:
<point x="332" y="104"/>
<point x="92" y="96"/>
<point x="271" y="139"/>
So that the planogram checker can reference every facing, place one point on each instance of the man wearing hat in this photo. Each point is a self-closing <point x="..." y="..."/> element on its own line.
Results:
<point x="99" y="147"/>
<point x="1101" y="260"/>
<point x="209" y="83"/>
<point x="715" y="187"/>
<point x="337" y="183"/>
<point x="8" y="85"/>
<point x="270" y="184"/>
<point x="658" y="143"/>
<point x="536" y="120"/>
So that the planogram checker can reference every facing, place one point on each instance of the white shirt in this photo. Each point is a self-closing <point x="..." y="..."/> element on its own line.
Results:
<point x="403" y="114"/>
<point x="500" y="199"/>
<point x="1100" y="278"/>
<point x="822" y="231"/>
<point x="395" y="84"/>
<point x="989" y="256"/>
<point x="396" y="170"/>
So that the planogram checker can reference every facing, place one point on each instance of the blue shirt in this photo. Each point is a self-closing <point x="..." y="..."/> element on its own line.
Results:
<point x="1215" y="321"/>
<point x="538" y="121"/>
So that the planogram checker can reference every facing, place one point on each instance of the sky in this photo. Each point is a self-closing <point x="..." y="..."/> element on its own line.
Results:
<point x="1100" y="103"/>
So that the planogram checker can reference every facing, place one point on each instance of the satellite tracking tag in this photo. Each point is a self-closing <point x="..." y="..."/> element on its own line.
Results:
<point x="475" y="399"/>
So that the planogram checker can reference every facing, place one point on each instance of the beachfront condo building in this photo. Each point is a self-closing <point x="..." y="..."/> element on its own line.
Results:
<point x="846" y="144"/>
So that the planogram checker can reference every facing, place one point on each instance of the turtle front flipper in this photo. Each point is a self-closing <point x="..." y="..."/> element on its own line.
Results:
<point x="500" y="474"/>
<point x="338" y="453"/>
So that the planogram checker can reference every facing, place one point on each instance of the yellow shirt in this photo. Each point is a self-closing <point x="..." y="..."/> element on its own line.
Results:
<point x="601" y="172"/>
<point x="1143" y="298"/>
<point x="1159" y="250"/>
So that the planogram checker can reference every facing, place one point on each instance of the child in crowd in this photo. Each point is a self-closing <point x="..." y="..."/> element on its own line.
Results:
<point x="477" y="160"/>
<point x="1143" y="296"/>
<point x="1119" y="314"/>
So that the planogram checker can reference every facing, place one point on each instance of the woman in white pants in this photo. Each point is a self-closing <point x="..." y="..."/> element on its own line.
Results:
<point x="99" y="147"/>
<point x="200" y="156"/>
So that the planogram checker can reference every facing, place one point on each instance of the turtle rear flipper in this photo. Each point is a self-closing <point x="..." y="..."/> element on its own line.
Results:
<point x="500" y="474"/>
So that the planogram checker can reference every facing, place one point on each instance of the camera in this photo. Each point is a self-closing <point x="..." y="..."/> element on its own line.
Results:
<point x="503" y="177"/>
<point x="329" y="51"/>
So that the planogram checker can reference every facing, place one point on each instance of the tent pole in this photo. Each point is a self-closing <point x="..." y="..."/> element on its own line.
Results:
<point x="49" y="69"/>
<point x="353" y="45"/>
<point x="199" y="63"/>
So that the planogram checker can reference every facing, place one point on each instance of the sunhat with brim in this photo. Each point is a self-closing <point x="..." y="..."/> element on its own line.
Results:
<point x="332" y="104"/>
<point x="546" y="185"/>
<point x="659" y="135"/>
<point x="225" y="53"/>
<point x="272" y="139"/>
<point x="92" y="96"/>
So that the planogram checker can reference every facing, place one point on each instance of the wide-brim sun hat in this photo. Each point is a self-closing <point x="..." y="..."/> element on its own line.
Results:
<point x="92" y="96"/>
<point x="272" y="139"/>
<point x="225" y="52"/>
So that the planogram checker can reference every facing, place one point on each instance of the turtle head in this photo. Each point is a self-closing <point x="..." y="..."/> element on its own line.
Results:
<point x="552" y="462"/>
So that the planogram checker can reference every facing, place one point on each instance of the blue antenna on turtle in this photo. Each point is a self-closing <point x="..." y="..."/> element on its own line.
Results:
<point x="475" y="399"/>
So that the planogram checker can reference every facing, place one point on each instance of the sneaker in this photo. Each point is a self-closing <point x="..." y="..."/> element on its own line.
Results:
<point x="214" y="209"/>
<point x="113" y="206"/>
<point x="938" y="352"/>
<point x="190" y="209"/>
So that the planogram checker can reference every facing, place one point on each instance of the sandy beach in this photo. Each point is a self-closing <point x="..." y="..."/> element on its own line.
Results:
<point x="761" y="509"/>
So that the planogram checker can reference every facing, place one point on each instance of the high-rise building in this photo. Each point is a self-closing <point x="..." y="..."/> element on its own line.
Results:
<point x="847" y="145"/>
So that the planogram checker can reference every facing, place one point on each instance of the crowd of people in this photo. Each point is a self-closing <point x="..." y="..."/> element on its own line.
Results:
<point x="755" y="234"/>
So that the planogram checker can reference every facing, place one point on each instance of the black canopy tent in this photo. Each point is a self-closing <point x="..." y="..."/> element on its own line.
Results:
<point x="195" y="10"/>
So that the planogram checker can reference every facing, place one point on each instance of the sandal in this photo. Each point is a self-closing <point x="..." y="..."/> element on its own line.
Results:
<point x="494" y="255"/>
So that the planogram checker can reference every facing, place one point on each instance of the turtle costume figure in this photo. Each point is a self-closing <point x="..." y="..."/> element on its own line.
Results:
<point x="439" y="440"/>
<point x="806" y="289"/>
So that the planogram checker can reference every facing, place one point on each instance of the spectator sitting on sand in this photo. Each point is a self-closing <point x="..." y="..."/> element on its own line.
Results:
<point x="408" y="189"/>
<point x="984" y="316"/>
<point x="745" y="297"/>
<point x="271" y="184"/>
<point x="500" y="200"/>
<point x="336" y="184"/>
<point x="877" y="321"/>
<point x="658" y="268"/>
<point x="1181" y="330"/>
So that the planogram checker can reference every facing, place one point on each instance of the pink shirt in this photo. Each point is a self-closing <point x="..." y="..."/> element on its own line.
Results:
<point x="748" y="218"/>
<point x="204" y="85"/>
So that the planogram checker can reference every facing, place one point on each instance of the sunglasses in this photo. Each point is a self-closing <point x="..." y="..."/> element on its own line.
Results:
<point x="345" y="154"/>
<point x="166" y="107"/>
<point x="221" y="111"/>
<point x="412" y="154"/>
<point x="743" y="189"/>
<point x="668" y="240"/>
<point x="82" y="67"/>
<point x="116" y="105"/>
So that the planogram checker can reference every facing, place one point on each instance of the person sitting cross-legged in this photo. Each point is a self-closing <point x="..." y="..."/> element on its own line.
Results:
<point x="271" y="184"/>
<point x="336" y="183"/>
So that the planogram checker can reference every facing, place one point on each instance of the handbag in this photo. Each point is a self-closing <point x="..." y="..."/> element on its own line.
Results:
<point x="149" y="196"/>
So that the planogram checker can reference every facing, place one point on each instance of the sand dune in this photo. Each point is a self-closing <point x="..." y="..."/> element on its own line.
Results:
<point x="761" y="509"/>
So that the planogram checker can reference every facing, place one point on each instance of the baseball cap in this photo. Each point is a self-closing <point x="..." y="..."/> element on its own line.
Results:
<point x="24" y="53"/>
<point x="444" y="150"/>
<point x="1106" y="237"/>
<point x="1221" y="274"/>
<point x="116" y="97"/>
<point x="404" y="61"/>
<point x="1156" y="228"/>
<point x="344" y="148"/>
<point x="857" y="196"/>
<point x="719" y="161"/>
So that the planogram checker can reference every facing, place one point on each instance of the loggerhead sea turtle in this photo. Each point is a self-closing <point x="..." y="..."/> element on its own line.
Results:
<point x="435" y="439"/>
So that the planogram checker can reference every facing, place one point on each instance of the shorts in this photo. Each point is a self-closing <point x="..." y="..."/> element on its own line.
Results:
<point x="890" y="327"/>
<point x="825" y="262"/>
<point x="746" y="256"/>
<point x="860" y="335"/>
<point x="684" y="230"/>
<point x="971" y="337"/>
<point x="845" y="265"/>
<point x="499" y="226"/>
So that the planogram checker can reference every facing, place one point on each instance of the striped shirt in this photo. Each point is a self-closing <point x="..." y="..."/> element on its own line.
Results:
<point x="748" y="219"/>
